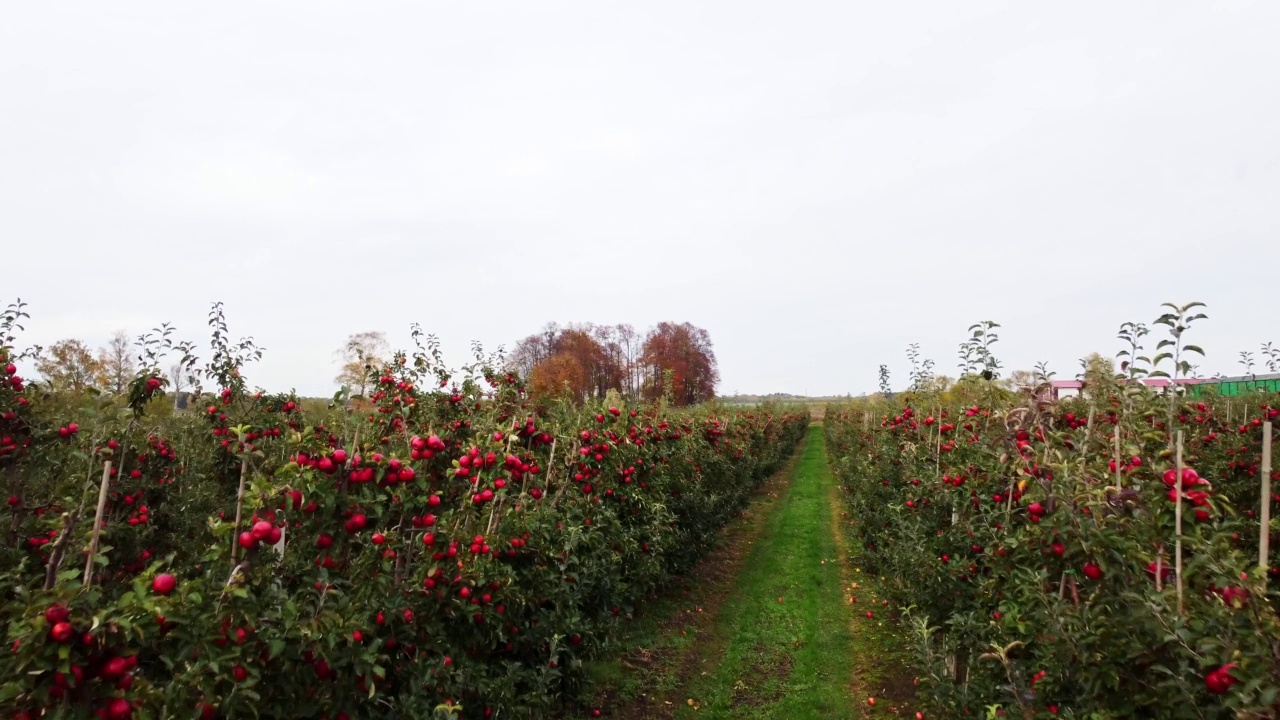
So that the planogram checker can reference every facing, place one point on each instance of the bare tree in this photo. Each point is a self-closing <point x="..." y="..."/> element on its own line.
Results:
<point x="177" y="377"/>
<point x="362" y="352"/>
<point x="177" y="382"/>
<point x="631" y="346"/>
<point x="1020" y="380"/>
<point x="117" y="363"/>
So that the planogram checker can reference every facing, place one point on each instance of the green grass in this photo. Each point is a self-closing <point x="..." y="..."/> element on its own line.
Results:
<point x="665" y="636"/>
<point x="788" y="659"/>
<point x="813" y="655"/>
<point x="655" y="653"/>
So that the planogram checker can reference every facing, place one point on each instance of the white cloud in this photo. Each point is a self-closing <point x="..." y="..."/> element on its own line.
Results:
<point x="528" y="165"/>
<point x="610" y="145"/>
<point x="817" y="184"/>
<point x="218" y="180"/>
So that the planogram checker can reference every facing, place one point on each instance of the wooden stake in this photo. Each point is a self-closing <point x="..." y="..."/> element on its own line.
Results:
<point x="546" y="478"/>
<point x="59" y="548"/>
<point x="97" y="522"/>
<point x="937" y="455"/>
<point x="19" y="492"/>
<point x="567" y="479"/>
<point x="937" y="464"/>
<point x="1177" y="547"/>
<point x="235" y="536"/>
<point x="279" y="547"/>
<point x="1119" y="477"/>
<point x="1264" y="537"/>
<point x="493" y="513"/>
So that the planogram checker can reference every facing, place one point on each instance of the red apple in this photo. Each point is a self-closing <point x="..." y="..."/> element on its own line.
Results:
<point x="164" y="583"/>
<point x="62" y="632"/>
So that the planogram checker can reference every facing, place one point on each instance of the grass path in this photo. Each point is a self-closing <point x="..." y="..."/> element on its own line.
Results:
<point x="765" y="627"/>
<point x="787" y="625"/>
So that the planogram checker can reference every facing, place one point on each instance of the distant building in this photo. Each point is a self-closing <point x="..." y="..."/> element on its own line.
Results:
<point x="1196" y="387"/>
<point x="1241" y="385"/>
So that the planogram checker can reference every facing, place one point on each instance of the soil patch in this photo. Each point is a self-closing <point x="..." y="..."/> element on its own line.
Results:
<point x="761" y="684"/>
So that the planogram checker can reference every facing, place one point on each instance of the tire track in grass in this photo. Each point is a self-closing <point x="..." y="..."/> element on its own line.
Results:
<point x="674" y="642"/>
<point x="786" y="629"/>
<point x="766" y="629"/>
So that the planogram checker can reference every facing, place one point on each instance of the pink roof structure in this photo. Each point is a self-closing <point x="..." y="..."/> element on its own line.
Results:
<point x="1149" y="382"/>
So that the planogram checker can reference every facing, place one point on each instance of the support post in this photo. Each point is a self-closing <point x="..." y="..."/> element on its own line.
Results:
<point x="1264" y="537"/>
<point x="1177" y="551"/>
<point x="97" y="522"/>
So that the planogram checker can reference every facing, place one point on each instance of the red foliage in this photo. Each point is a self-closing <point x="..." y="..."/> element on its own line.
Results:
<point x="678" y="359"/>
<point x="587" y="361"/>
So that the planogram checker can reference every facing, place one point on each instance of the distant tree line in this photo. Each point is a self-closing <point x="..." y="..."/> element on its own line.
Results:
<point x="587" y="361"/>
<point x="583" y="360"/>
<point x="72" y="365"/>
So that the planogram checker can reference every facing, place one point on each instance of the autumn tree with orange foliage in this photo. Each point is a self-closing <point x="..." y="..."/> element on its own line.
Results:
<point x="578" y="359"/>
<point x="679" y="363"/>
<point x="560" y="373"/>
<point x="586" y="361"/>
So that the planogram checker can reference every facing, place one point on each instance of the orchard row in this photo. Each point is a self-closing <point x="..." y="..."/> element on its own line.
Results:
<point x="446" y="547"/>
<point x="1093" y="557"/>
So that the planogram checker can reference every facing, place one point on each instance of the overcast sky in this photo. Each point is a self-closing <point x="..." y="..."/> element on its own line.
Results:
<point x="817" y="184"/>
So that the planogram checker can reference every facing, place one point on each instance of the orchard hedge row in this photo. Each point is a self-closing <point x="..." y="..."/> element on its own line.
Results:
<point x="1036" y="556"/>
<point x="446" y="548"/>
